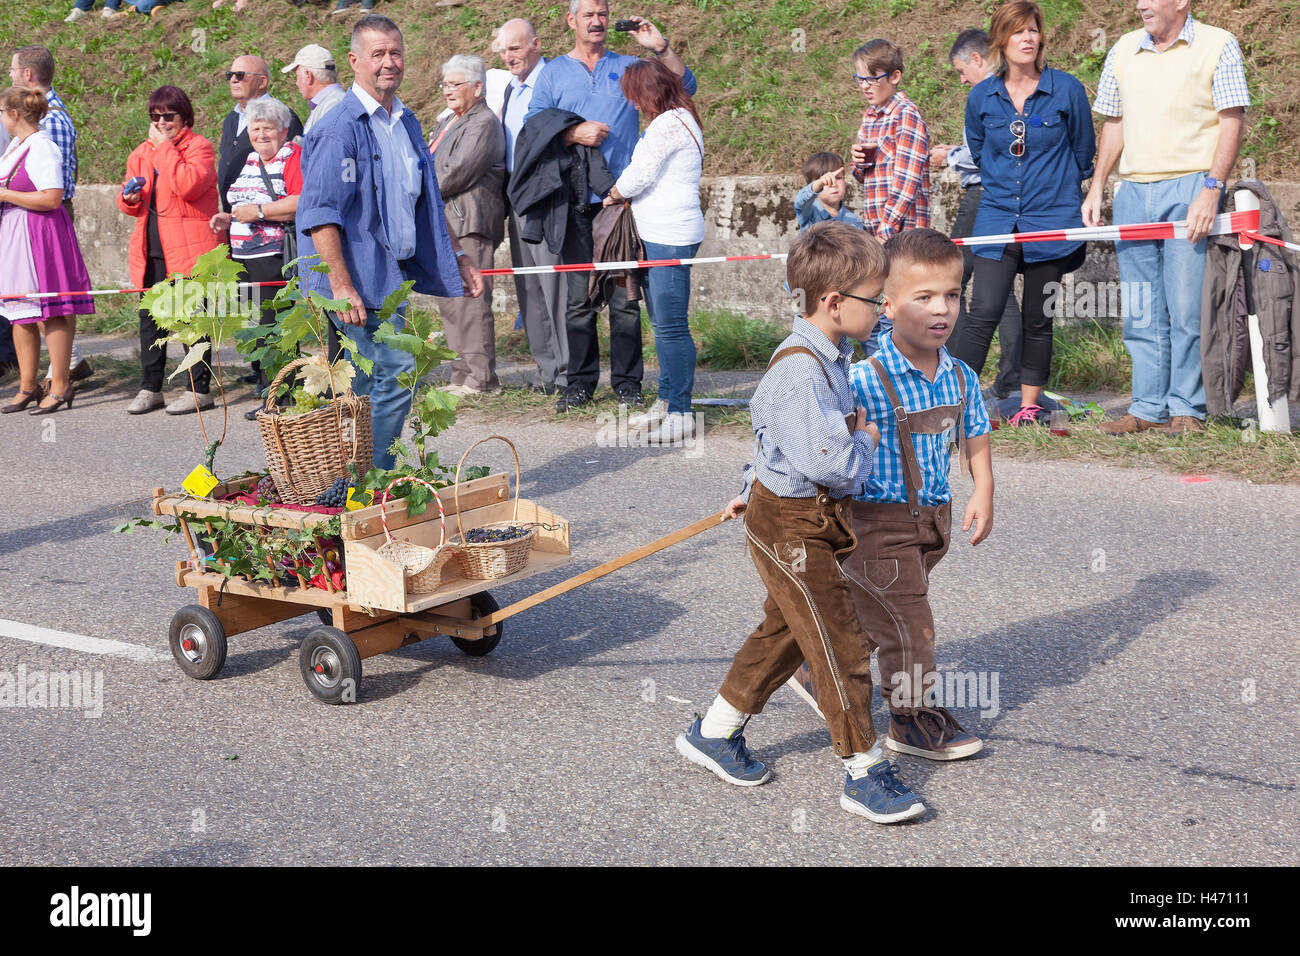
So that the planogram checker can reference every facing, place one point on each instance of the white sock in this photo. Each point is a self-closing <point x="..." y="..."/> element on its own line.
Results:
<point x="722" y="720"/>
<point x="857" y="765"/>
<point x="76" y="356"/>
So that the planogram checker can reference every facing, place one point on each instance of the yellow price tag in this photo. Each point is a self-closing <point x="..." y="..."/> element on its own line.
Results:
<point x="353" y="504"/>
<point x="200" y="482"/>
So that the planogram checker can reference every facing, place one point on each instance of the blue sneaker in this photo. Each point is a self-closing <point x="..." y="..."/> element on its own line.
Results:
<point x="728" y="757"/>
<point x="880" y="796"/>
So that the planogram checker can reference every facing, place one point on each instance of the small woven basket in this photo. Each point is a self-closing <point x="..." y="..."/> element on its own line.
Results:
<point x="485" y="560"/>
<point x="307" y="453"/>
<point x="423" y="565"/>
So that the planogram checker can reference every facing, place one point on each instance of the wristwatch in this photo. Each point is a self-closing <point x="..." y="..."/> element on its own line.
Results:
<point x="259" y="211"/>
<point x="460" y="253"/>
<point x="1212" y="183"/>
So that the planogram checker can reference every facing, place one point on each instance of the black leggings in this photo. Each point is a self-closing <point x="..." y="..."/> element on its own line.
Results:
<point x="993" y="281"/>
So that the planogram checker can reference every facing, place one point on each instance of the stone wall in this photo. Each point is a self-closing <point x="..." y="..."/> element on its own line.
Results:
<point x="743" y="215"/>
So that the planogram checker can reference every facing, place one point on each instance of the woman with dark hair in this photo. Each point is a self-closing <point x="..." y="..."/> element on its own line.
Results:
<point x="663" y="184"/>
<point x="171" y="190"/>
<point x="38" y="252"/>
<point x="1030" y="130"/>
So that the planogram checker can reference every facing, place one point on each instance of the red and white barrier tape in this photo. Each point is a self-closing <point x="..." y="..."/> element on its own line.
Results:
<point x="1256" y="237"/>
<point x="1225" y="224"/>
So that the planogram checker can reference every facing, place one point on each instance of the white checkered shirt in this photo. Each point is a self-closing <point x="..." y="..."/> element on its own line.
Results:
<point x="1229" y="75"/>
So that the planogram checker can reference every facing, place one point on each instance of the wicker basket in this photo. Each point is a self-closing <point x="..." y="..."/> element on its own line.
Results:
<point x="483" y="561"/>
<point x="307" y="453"/>
<point x="423" y="565"/>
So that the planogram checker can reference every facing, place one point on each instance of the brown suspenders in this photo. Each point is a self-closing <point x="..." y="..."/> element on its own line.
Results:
<point x="851" y="419"/>
<point x="929" y="421"/>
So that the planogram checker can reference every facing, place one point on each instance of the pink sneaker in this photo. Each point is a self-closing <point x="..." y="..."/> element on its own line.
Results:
<point x="1028" y="415"/>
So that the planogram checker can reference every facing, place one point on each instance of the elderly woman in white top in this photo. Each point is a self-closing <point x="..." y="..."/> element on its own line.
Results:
<point x="663" y="184"/>
<point x="263" y="204"/>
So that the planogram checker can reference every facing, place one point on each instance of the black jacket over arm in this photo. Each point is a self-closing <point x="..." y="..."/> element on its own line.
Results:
<point x="550" y="178"/>
<point x="235" y="150"/>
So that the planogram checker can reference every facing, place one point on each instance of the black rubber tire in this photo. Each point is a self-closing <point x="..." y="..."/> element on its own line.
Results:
<point x="480" y="604"/>
<point x="206" y="656"/>
<point x="338" y="679"/>
<point x="326" y="617"/>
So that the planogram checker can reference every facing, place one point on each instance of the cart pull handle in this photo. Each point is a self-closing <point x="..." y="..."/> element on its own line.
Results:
<point x="459" y="465"/>
<point x="555" y="590"/>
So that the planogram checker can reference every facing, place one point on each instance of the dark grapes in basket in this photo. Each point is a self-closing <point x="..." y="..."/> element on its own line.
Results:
<point x="494" y="535"/>
<point x="266" y="493"/>
<point x="335" y="496"/>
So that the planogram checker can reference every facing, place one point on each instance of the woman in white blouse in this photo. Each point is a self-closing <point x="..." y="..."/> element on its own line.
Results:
<point x="663" y="183"/>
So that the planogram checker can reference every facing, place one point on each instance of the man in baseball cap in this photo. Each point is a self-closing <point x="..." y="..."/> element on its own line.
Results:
<point x="317" y="80"/>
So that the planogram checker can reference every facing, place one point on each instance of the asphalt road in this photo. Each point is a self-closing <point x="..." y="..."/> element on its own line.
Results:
<point x="1142" y="630"/>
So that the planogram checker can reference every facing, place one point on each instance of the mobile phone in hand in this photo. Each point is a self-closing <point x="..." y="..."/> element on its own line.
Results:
<point x="133" y="185"/>
<point x="626" y="26"/>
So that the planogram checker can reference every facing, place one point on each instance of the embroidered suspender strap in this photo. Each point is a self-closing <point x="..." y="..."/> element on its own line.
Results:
<point x="911" y="467"/>
<point x="963" y="453"/>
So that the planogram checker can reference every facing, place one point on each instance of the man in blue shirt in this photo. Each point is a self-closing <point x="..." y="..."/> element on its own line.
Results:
<point x="541" y="297"/>
<point x="586" y="81"/>
<point x="371" y="209"/>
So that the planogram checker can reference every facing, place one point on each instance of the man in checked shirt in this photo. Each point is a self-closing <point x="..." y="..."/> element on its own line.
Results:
<point x="891" y="157"/>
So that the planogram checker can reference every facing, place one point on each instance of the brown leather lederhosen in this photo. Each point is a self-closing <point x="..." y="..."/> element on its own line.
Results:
<point x="898" y="545"/>
<point x="797" y="545"/>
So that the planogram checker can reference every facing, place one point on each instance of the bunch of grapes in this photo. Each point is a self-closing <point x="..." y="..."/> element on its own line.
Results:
<point x="486" y="535"/>
<point x="335" y="496"/>
<point x="303" y="402"/>
<point x="266" y="492"/>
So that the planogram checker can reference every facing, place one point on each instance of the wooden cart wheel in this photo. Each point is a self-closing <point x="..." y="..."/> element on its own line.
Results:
<point x="480" y="604"/>
<point x="198" y="642"/>
<point x="330" y="665"/>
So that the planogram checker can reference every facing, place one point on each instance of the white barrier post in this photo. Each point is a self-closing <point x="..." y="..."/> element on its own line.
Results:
<point x="1273" y="416"/>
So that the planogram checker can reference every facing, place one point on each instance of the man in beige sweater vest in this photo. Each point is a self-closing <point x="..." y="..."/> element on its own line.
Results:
<point x="1174" y="97"/>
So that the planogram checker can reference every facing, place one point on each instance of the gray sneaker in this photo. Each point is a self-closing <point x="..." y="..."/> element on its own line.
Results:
<point x="145" y="401"/>
<point x="184" y="404"/>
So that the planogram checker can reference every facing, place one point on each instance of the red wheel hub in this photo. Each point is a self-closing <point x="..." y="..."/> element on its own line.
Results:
<point x="320" y="668"/>
<point x="187" y="644"/>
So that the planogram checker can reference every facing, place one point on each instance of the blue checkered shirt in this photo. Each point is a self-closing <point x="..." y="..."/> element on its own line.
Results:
<point x="918" y="393"/>
<point x="1229" y="75"/>
<point x="58" y="124"/>
<point x="800" y="437"/>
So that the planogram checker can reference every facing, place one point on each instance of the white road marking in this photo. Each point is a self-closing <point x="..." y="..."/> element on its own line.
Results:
<point x="79" y="642"/>
<point x="676" y="700"/>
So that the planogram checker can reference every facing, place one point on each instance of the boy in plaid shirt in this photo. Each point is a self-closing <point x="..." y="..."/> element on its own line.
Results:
<point x="895" y="175"/>
<point x="925" y="402"/>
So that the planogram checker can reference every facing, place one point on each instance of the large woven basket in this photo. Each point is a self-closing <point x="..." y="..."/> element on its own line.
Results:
<point x="423" y="565"/>
<point x="307" y="453"/>
<point x="485" y="560"/>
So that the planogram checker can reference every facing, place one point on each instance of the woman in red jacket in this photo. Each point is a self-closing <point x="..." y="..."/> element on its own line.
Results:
<point x="171" y="190"/>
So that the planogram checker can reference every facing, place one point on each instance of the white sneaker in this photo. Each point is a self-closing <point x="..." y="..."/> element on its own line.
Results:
<point x="184" y="403"/>
<point x="461" y="390"/>
<point x="108" y="14"/>
<point x="651" y="417"/>
<point x="675" y="428"/>
<point x="145" y="401"/>
<point x="74" y="16"/>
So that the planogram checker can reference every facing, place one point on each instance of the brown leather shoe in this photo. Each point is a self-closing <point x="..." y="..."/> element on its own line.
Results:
<point x="1185" y="424"/>
<point x="1131" y="425"/>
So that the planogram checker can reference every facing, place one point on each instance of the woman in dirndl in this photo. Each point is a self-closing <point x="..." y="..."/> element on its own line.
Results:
<point x="38" y="253"/>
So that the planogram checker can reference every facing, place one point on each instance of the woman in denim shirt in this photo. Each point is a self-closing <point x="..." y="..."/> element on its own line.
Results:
<point x="1030" y="130"/>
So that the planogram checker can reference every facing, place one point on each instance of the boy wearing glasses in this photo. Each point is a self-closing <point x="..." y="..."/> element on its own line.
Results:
<point x="891" y="157"/>
<point x="813" y="451"/>
<point x="926" y="402"/>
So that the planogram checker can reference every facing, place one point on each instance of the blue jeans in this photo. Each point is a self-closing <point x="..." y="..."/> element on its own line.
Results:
<point x="144" y="6"/>
<point x="90" y="4"/>
<point x="667" y="298"/>
<point x="389" y="402"/>
<point x="1160" y="291"/>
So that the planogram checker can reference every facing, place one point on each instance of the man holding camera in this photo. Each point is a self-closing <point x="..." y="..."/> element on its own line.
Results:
<point x="586" y="81"/>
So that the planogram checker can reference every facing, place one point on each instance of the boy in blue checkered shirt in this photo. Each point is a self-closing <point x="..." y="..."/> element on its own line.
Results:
<point x="924" y="401"/>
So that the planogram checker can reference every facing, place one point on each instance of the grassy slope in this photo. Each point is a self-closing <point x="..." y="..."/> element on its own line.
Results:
<point x="773" y="75"/>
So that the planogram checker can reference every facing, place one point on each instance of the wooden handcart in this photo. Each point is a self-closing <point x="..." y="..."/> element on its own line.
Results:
<point x="374" y="614"/>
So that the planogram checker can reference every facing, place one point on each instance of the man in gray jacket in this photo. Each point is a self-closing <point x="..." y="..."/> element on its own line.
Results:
<point x="469" y="161"/>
